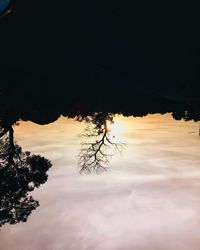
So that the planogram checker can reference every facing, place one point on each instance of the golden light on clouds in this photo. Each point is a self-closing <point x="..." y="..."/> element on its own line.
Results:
<point x="149" y="198"/>
<point x="117" y="127"/>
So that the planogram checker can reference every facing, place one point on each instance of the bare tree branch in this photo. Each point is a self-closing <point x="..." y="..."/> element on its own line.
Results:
<point x="98" y="149"/>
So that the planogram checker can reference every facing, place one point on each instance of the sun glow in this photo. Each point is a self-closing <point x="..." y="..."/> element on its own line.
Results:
<point x="118" y="126"/>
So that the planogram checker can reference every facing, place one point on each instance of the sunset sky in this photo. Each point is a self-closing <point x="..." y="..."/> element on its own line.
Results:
<point x="147" y="200"/>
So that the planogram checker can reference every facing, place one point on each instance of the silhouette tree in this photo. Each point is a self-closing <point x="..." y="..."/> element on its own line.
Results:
<point x="98" y="148"/>
<point x="20" y="173"/>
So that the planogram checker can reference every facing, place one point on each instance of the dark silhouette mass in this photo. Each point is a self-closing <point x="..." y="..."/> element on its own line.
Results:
<point x="20" y="173"/>
<point x="80" y="58"/>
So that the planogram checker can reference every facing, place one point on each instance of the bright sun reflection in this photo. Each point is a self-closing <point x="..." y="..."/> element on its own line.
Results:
<point x="118" y="127"/>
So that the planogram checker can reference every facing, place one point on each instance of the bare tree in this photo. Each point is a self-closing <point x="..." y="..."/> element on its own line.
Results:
<point x="98" y="147"/>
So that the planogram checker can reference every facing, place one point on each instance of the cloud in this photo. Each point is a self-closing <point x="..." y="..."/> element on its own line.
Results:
<point x="85" y="214"/>
<point x="148" y="200"/>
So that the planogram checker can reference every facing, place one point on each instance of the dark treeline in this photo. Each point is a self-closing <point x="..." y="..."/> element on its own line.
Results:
<point x="69" y="58"/>
<point x="45" y="105"/>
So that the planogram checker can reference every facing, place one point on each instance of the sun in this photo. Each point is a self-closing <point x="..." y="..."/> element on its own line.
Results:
<point x="117" y="127"/>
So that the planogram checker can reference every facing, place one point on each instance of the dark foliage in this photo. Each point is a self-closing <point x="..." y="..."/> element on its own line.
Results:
<point x="20" y="173"/>
<point x="79" y="58"/>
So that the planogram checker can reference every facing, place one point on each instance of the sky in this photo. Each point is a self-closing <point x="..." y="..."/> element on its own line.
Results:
<point x="147" y="200"/>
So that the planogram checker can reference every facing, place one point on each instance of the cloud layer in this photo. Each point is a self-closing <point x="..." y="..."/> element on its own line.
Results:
<point x="148" y="200"/>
